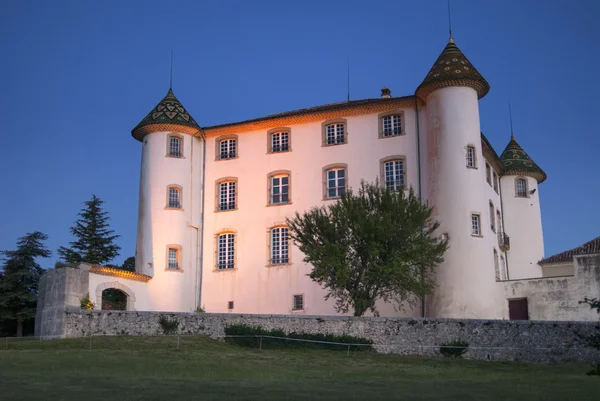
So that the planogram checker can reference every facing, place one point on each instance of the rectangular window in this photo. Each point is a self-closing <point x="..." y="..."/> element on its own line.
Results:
<point x="496" y="265"/>
<point x="226" y="251"/>
<point x="174" y="147"/>
<point x="280" y="141"/>
<point x="495" y="181"/>
<point x="488" y="173"/>
<point x="298" y="302"/>
<point x="173" y="258"/>
<point x="280" y="189"/>
<point x="470" y="157"/>
<point x="475" y="225"/>
<point x="336" y="182"/>
<point x="521" y="187"/>
<point x="498" y="221"/>
<point x="394" y="174"/>
<point x="230" y="305"/>
<point x="335" y="134"/>
<point x="392" y="125"/>
<point x="228" y="148"/>
<point x="279" y="246"/>
<point x="174" y="198"/>
<point x="227" y="195"/>
<point x="492" y="217"/>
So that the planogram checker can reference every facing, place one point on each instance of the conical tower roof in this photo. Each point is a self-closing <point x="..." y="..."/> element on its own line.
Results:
<point x="516" y="162"/>
<point x="452" y="68"/>
<point x="168" y="115"/>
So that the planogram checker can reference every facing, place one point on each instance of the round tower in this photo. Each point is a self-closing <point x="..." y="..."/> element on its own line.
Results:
<point x="455" y="186"/>
<point x="522" y="213"/>
<point x="169" y="205"/>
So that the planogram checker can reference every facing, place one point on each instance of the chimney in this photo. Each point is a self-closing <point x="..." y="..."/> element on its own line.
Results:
<point x="386" y="93"/>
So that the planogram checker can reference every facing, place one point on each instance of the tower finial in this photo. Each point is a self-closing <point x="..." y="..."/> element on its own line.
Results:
<point x="171" y="77"/>
<point x="512" y="135"/>
<point x="348" y="78"/>
<point x="450" y="39"/>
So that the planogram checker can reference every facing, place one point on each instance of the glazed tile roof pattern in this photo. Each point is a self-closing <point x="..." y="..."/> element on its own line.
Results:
<point x="516" y="161"/>
<point x="588" y="248"/>
<point x="168" y="111"/>
<point x="452" y="68"/>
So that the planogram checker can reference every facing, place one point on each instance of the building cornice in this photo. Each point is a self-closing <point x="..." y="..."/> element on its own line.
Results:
<point x="111" y="271"/>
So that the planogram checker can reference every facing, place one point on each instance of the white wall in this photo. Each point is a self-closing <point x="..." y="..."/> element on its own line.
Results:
<point x="523" y="224"/>
<point x="254" y="287"/>
<point x="137" y="291"/>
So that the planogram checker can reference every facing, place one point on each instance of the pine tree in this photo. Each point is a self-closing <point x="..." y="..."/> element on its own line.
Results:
<point x="95" y="241"/>
<point x="19" y="279"/>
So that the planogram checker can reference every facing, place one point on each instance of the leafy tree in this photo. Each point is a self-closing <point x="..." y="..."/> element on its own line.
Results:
<point x="95" y="241"/>
<point x="19" y="280"/>
<point x="370" y="245"/>
<point x="129" y="264"/>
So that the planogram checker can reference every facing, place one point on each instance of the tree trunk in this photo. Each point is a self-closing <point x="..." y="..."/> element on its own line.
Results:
<point x="19" y="328"/>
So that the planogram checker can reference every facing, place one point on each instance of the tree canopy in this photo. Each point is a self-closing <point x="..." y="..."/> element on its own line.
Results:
<point x="371" y="244"/>
<point x="19" y="278"/>
<point x="94" y="239"/>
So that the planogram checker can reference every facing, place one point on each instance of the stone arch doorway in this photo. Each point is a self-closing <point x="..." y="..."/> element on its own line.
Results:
<point x="115" y="296"/>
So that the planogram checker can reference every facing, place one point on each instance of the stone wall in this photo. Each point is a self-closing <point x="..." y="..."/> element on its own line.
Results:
<point x="532" y="341"/>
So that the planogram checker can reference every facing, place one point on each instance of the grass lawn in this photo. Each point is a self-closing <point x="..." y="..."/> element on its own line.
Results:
<point x="142" y="368"/>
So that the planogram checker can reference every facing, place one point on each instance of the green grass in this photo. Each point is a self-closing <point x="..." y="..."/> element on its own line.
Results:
<point x="146" y="368"/>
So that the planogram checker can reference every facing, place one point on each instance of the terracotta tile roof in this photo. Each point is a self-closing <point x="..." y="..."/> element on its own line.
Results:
<point x="588" y="248"/>
<point x="111" y="271"/>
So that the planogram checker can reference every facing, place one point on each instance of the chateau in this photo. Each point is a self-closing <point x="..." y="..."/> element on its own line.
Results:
<point x="213" y="203"/>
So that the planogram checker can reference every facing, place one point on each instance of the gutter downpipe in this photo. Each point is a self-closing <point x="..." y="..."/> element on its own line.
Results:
<point x="419" y="183"/>
<point x="200" y="230"/>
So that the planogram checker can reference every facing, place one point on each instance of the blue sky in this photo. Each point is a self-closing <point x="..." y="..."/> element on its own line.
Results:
<point x="77" y="76"/>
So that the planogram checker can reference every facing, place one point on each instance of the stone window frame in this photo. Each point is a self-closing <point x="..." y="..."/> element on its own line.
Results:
<point x="177" y="247"/>
<point x="294" y="309"/>
<point x="218" y="183"/>
<point x="269" y="245"/>
<point x="180" y="189"/>
<point x="473" y="233"/>
<point x="495" y="181"/>
<point x="502" y="267"/>
<point x="324" y="126"/>
<point x="492" y="209"/>
<point x="216" y="249"/>
<point x="397" y="112"/>
<point x="181" y="143"/>
<point x="117" y="286"/>
<point x="272" y="175"/>
<point x="276" y="131"/>
<point x="517" y="187"/>
<point x="474" y="149"/>
<point x="393" y="158"/>
<point x="221" y="138"/>
<point x="230" y="305"/>
<point x="488" y="173"/>
<point x="333" y="166"/>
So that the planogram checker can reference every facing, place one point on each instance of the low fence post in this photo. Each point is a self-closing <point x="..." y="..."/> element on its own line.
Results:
<point x="260" y="348"/>
<point x="177" y="342"/>
<point x="348" y="350"/>
<point x="90" y="343"/>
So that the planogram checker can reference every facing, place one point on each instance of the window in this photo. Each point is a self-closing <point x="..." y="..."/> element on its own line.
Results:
<point x="279" y="246"/>
<point x="471" y="156"/>
<point x="335" y="134"/>
<point x="394" y="174"/>
<point x="298" y="303"/>
<point x="475" y="225"/>
<point x="280" y="189"/>
<point x="335" y="182"/>
<point x="495" y="176"/>
<point x="503" y="268"/>
<point x="280" y="141"/>
<point x="227" y="198"/>
<point x="488" y="173"/>
<point x="173" y="258"/>
<point x="174" y="146"/>
<point x="496" y="265"/>
<point x="225" y="251"/>
<point x="174" y="196"/>
<point x="392" y="125"/>
<point x="227" y="149"/>
<point x="521" y="187"/>
<point x="492" y="218"/>
<point x="498" y="221"/>
<point x="230" y="305"/>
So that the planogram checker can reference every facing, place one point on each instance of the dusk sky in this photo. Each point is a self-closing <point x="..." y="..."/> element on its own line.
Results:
<point x="77" y="76"/>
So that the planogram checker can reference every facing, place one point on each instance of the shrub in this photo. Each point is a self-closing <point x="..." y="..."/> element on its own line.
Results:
<point x="454" y="349"/>
<point x="284" y="340"/>
<point x="200" y="309"/>
<point x="86" y="303"/>
<point x="169" y="326"/>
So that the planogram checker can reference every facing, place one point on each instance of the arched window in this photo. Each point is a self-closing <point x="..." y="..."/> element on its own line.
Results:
<point x="521" y="187"/>
<point x="226" y="147"/>
<point x="335" y="180"/>
<point x="393" y="171"/>
<point x="114" y="299"/>
<point x="279" y="140"/>
<point x="279" y="188"/>
<point x="174" y="146"/>
<point x="173" y="197"/>
<point x="225" y="251"/>
<point x="226" y="194"/>
<point x="279" y="244"/>
<point x="334" y="132"/>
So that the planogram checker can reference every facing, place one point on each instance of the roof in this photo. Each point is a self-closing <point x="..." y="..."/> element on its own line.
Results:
<point x="126" y="274"/>
<point x="517" y="162"/>
<point x="588" y="248"/>
<point x="167" y="113"/>
<point x="452" y="68"/>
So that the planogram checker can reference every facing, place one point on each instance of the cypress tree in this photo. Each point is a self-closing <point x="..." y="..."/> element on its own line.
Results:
<point x="95" y="241"/>
<point x="19" y="279"/>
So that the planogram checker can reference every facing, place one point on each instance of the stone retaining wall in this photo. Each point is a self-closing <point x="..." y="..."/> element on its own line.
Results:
<point x="532" y="341"/>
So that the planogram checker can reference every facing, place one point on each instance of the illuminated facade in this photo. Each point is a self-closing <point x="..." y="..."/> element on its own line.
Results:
<point x="213" y="200"/>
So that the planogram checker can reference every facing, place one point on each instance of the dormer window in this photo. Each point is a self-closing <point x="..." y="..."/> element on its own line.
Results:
<point x="175" y="148"/>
